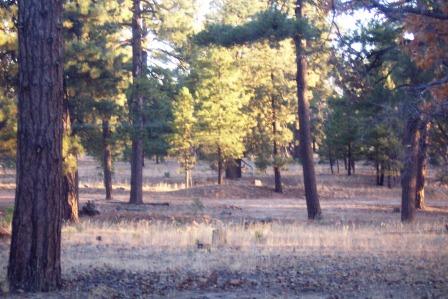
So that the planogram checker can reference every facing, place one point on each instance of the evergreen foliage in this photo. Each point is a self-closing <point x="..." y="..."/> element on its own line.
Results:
<point x="271" y="24"/>
<point x="221" y="98"/>
<point x="183" y="142"/>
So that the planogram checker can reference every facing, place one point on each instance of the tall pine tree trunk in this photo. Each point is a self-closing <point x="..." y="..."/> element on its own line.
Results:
<point x="34" y="261"/>
<point x="137" y="106"/>
<point x="309" y="176"/>
<point x="409" y="172"/>
<point x="107" y="159"/>
<point x="422" y="166"/>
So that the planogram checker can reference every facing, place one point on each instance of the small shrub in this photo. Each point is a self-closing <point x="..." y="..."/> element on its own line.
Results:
<point x="167" y="175"/>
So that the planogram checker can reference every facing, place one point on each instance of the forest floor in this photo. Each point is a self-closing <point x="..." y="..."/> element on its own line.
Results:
<point x="264" y="247"/>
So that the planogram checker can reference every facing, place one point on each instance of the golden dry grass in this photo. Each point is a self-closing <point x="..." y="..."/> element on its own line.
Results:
<point x="144" y="246"/>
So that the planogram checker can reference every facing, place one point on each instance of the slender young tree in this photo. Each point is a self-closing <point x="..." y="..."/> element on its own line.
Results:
<point x="306" y="151"/>
<point x="136" y="106"/>
<point x="34" y="262"/>
<point x="184" y="131"/>
<point x="107" y="157"/>
<point x="275" y="151"/>
<point x="221" y="120"/>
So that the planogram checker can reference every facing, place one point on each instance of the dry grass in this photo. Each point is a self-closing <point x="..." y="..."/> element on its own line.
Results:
<point x="97" y="184"/>
<point x="144" y="246"/>
<point x="420" y="237"/>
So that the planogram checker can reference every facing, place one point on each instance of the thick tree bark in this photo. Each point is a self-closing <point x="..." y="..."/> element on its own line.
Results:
<point x="107" y="159"/>
<point x="309" y="176"/>
<point x="409" y="172"/>
<point x="422" y="166"/>
<point x="34" y="261"/>
<point x="137" y="106"/>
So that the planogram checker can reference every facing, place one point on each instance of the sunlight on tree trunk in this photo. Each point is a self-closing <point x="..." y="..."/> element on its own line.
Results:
<point x="422" y="166"/>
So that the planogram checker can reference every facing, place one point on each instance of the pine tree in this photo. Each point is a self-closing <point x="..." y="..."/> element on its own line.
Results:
<point x="34" y="262"/>
<point x="270" y="69"/>
<point x="183" y="140"/>
<point x="221" y="97"/>
<point x="95" y="78"/>
<point x="275" y="25"/>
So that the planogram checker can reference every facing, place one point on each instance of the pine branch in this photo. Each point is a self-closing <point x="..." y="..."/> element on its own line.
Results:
<point x="399" y="9"/>
<point x="271" y="24"/>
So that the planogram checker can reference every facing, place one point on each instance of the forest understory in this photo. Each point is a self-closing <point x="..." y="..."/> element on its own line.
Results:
<point x="244" y="241"/>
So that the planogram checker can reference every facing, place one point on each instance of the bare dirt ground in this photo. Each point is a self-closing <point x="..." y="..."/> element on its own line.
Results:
<point x="265" y="247"/>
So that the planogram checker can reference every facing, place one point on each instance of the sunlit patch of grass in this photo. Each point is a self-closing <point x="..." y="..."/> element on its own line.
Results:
<point x="96" y="183"/>
<point x="152" y="246"/>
